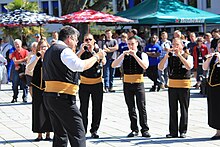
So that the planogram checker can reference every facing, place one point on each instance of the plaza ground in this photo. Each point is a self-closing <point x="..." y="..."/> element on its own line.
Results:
<point x="16" y="121"/>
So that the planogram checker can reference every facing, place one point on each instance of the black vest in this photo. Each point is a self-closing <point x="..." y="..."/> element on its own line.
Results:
<point x="131" y="66"/>
<point x="214" y="72"/>
<point x="176" y="70"/>
<point x="37" y="79"/>
<point x="54" y="69"/>
<point x="93" y="71"/>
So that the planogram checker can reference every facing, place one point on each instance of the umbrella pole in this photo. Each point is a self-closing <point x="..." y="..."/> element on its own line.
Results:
<point x="88" y="28"/>
<point x="40" y="31"/>
<point x="204" y="27"/>
<point x="158" y="31"/>
<point x="21" y="34"/>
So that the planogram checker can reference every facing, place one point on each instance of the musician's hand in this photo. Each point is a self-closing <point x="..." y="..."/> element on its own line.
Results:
<point x="101" y="54"/>
<point x="177" y="51"/>
<point x="132" y="53"/>
<point x="126" y="52"/>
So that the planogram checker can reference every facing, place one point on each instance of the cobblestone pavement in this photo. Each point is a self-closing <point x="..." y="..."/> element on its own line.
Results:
<point x="15" y="122"/>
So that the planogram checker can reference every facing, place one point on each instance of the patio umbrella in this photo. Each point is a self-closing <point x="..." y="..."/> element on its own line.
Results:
<point x="88" y="16"/>
<point x="23" y="18"/>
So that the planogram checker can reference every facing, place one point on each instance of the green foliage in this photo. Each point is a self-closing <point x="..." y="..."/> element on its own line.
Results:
<point x="22" y="4"/>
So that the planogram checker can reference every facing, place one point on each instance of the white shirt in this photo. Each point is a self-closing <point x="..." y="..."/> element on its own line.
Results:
<point x="4" y="48"/>
<point x="70" y="59"/>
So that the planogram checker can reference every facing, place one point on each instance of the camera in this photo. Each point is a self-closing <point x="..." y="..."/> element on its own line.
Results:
<point x="86" y="48"/>
<point x="38" y="54"/>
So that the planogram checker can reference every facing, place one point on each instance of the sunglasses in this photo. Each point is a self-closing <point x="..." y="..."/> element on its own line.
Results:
<point x="88" y="39"/>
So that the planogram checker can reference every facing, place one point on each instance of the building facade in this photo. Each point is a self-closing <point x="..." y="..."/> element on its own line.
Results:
<point x="53" y="7"/>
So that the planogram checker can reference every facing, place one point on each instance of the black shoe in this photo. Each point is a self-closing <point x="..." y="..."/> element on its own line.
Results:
<point x="47" y="139"/>
<point x="132" y="134"/>
<point x="195" y="85"/>
<point x="158" y="87"/>
<point x="171" y="136"/>
<point x="152" y="89"/>
<point x="111" y="90"/>
<point x="14" y="100"/>
<point x="182" y="135"/>
<point x="146" y="134"/>
<point x="38" y="139"/>
<point x="215" y="138"/>
<point x="25" y="100"/>
<point x="94" y="135"/>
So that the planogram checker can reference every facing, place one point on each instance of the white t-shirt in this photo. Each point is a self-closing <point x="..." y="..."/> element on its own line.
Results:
<point x="4" y="48"/>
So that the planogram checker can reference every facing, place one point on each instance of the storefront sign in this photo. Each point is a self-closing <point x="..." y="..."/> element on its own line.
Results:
<point x="188" y="20"/>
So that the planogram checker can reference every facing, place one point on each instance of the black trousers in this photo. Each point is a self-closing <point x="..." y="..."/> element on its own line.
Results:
<point x="66" y="120"/>
<point x="130" y="92"/>
<point x="182" y="96"/>
<point x="96" y="92"/>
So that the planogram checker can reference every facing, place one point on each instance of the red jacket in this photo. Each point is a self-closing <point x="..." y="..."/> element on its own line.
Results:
<point x="204" y="52"/>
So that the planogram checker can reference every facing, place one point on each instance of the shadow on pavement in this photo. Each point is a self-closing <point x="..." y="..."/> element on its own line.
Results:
<point x="115" y="139"/>
<point x="142" y="140"/>
<point x="6" y="89"/>
<point x="197" y="95"/>
<point x="19" y="141"/>
<point x="164" y="140"/>
<point x="14" y="104"/>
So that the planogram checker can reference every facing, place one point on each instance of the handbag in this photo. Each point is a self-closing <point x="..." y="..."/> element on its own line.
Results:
<point x="21" y="72"/>
<point x="3" y="74"/>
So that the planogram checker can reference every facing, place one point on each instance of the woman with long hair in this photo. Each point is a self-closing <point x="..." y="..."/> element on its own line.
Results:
<point x="40" y="117"/>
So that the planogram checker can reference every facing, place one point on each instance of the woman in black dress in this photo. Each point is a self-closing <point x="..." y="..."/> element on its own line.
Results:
<point x="213" y="64"/>
<point x="40" y="118"/>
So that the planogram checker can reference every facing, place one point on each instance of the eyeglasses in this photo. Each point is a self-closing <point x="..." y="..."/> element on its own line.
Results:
<point x="43" y="46"/>
<point x="89" y="39"/>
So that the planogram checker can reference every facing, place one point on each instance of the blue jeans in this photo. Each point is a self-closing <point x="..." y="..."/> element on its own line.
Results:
<point x="15" y="83"/>
<point x="163" y="76"/>
<point x="108" y="73"/>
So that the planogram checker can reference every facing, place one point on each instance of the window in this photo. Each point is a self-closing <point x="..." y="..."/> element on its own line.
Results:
<point x="208" y="3"/>
<point x="192" y="3"/>
<point x="45" y="7"/>
<point x="55" y="8"/>
<point x="3" y="8"/>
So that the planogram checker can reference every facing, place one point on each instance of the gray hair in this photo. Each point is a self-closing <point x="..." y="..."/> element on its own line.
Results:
<point x="34" y="45"/>
<point x="18" y="41"/>
<point x="67" y="31"/>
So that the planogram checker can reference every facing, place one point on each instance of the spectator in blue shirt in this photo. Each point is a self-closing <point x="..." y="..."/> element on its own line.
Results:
<point x="123" y="46"/>
<point x="153" y="51"/>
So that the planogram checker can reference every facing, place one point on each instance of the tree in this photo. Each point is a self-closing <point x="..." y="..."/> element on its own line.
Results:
<point x="70" y="6"/>
<point x="22" y="4"/>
